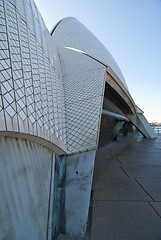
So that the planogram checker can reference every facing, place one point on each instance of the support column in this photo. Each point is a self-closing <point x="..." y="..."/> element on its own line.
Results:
<point x="79" y="174"/>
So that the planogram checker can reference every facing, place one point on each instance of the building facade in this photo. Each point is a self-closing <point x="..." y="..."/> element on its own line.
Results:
<point x="61" y="96"/>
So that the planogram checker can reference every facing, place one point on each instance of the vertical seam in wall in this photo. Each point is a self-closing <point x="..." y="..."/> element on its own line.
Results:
<point x="101" y="106"/>
<point x="50" y="203"/>
<point x="64" y="94"/>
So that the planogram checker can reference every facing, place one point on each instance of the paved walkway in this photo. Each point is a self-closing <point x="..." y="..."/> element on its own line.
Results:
<point x="127" y="191"/>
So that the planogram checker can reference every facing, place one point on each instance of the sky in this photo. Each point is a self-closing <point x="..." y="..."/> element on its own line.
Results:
<point x="131" y="31"/>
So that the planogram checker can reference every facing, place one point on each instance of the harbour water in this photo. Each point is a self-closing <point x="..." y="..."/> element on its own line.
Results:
<point x="157" y="129"/>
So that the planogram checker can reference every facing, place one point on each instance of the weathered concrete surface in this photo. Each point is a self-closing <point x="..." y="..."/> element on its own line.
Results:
<point x="127" y="206"/>
<point x="25" y="189"/>
<point x="59" y="196"/>
<point x="79" y="174"/>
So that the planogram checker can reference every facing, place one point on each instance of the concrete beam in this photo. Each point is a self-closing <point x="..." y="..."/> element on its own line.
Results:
<point x="140" y="122"/>
<point x="115" y="115"/>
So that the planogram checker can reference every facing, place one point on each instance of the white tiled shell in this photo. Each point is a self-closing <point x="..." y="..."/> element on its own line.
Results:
<point x="31" y="87"/>
<point x="71" y="33"/>
<point x="84" y="82"/>
<point x="84" y="91"/>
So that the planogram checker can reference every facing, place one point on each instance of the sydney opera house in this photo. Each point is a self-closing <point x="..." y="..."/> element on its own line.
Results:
<point x="62" y="95"/>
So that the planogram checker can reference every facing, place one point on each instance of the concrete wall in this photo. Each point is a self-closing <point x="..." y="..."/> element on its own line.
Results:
<point x="26" y="169"/>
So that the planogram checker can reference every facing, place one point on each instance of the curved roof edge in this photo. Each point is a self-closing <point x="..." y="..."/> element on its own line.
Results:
<point x="56" y="25"/>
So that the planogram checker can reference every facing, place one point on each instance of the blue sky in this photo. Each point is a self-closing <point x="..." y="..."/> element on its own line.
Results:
<point x="131" y="31"/>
